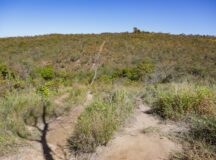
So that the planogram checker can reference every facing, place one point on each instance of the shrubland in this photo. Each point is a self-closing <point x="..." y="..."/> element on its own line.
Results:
<point x="175" y="74"/>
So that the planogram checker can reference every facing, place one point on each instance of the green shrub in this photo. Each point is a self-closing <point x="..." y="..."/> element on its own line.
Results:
<point x="106" y="79"/>
<point x="177" y="101"/>
<point x="98" y="122"/>
<point x="136" y="73"/>
<point x="5" y="72"/>
<point x="144" y="68"/>
<point x="43" y="91"/>
<point x="47" y="72"/>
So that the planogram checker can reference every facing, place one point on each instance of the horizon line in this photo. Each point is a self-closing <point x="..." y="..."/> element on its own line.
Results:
<point x="99" y="33"/>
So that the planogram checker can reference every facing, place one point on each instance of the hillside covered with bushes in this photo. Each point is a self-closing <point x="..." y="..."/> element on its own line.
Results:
<point x="174" y="74"/>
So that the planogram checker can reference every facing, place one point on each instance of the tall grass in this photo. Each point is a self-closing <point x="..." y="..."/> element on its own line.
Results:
<point x="200" y="142"/>
<point x="178" y="100"/>
<point x="204" y="129"/>
<point x="98" y="122"/>
<point x="15" y="108"/>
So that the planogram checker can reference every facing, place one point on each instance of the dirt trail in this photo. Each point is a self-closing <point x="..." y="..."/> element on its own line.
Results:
<point x="62" y="129"/>
<point x="60" y="100"/>
<point x="58" y="133"/>
<point x="143" y="139"/>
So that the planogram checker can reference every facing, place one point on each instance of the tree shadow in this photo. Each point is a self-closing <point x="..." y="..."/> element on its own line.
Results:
<point x="46" y="149"/>
<point x="47" y="152"/>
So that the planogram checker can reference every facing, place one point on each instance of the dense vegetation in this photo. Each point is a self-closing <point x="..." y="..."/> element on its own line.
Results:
<point x="175" y="74"/>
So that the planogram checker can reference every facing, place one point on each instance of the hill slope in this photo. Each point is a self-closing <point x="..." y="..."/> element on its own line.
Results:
<point x="174" y="74"/>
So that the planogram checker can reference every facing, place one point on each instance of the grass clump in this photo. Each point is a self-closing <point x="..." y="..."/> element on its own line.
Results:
<point x="98" y="122"/>
<point x="204" y="129"/>
<point x="200" y="141"/>
<point x="180" y="100"/>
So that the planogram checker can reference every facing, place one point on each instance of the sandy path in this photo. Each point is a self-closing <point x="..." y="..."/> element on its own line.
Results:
<point x="62" y="129"/>
<point x="143" y="139"/>
<point x="59" y="131"/>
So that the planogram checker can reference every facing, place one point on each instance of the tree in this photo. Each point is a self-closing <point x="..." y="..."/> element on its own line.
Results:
<point x="136" y="30"/>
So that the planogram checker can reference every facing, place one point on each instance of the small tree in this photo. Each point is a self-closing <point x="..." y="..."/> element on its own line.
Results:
<point x="136" y="30"/>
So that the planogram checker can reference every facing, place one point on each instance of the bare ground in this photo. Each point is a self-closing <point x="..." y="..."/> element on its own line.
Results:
<point x="144" y="138"/>
<point x="58" y="133"/>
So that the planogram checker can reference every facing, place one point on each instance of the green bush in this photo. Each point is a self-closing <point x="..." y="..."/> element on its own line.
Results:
<point x="98" y="122"/>
<point x="144" y="68"/>
<point x="136" y="73"/>
<point x="178" y="101"/>
<point x="5" y="72"/>
<point x="43" y="91"/>
<point x="47" y="72"/>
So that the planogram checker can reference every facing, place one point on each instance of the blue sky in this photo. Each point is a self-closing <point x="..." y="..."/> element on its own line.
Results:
<point x="33" y="17"/>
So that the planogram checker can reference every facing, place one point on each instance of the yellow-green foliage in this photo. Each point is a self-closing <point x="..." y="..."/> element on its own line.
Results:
<point x="175" y="57"/>
<point x="98" y="122"/>
<point x="51" y="62"/>
<point x="178" y="100"/>
<point x="47" y="72"/>
<point x="43" y="91"/>
<point x="139" y="72"/>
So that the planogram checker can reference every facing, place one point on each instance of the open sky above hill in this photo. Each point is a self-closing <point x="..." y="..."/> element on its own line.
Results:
<point x="33" y="17"/>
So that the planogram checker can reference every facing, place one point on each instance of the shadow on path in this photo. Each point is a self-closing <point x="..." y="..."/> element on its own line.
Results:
<point x="46" y="149"/>
<point x="43" y="134"/>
